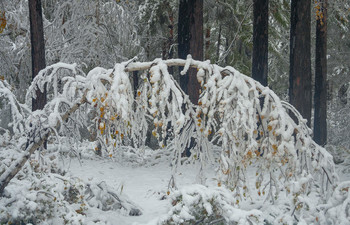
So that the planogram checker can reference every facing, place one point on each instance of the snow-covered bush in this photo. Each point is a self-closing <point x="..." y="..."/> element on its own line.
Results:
<point x="41" y="194"/>
<point x="198" y="204"/>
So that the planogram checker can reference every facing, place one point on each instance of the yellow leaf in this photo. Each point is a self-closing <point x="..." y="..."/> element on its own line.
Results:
<point x="219" y="184"/>
<point x="168" y="192"/>
<point x="269" y="127"/>
<point x="274" y="147"/>
<point x="249" y="154"/>
<point x="154" y="133"/>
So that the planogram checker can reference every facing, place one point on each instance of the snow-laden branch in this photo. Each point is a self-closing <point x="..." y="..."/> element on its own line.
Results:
<point x="248" y="120"/>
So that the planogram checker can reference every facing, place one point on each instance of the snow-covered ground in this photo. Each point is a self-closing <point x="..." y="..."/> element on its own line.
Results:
<point x="146" y="184"/>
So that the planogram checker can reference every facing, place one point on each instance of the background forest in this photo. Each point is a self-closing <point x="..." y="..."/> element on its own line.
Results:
<point x="100" y="33"/>
<point x="84" y="37"/>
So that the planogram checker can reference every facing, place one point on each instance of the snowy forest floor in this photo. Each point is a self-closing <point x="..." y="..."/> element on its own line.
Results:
<point x="145" y="181"/>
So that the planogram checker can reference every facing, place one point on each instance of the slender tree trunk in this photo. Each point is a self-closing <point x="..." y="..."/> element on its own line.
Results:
<point x="196" y="47"/>
<point x="184" y="38"/>
<point x="320" y="98"/>
<point x="207" y="43"/>
<point x="135" y="79"/>
<point x="260" y="41"/>
<point x="300" y="58"/>
<point x="171" y="38"/>
<point x="38" y="48"/>
<point x="219" y="44"/>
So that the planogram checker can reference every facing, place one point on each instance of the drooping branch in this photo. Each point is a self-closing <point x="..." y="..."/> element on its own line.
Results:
<point x="11" y="172"/>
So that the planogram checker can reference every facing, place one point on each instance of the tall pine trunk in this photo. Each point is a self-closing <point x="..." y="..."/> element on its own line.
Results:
<point x="196" y="47"/>
<point x="184" y="38"/>
<point x="300" y="58"/>
<point x="190" y="39"/>
<point x="320" y="98"/>
<point x="38" y="48"/>
<point x="260" y="41"/>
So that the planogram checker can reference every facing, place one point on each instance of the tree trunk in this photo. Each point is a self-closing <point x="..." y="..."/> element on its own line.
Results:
<point x="184" y="38"/>
<point x="196" y="47"/>
<point x="207" y="43"/>
<point x="260" y="41"/>
<point x="300" y="58"/>
<point x="38" y="48"/>
<point x="219" y="44"/>
<point x="320" y="98"/>
<point x="190" y="37"/>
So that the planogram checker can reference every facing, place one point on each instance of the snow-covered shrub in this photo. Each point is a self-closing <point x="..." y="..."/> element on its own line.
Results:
<point x="198" y="204"/>
<point x="40" y="194"/>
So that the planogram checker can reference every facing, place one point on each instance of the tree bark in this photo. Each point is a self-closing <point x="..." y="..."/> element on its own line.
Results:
<point x="38" y="49"/>
<point x="320" y="98"/>
<point x="184" y="37"/>
<point x="300" y="58"/>
<point x="196" y="48"/>
<point x="190" y="28"/>
<point x="207" y="43"/>
<point x="260" y="41"/>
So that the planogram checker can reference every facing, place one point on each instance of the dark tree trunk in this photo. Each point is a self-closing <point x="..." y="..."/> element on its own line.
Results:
<point x="135" y="77"/>
<point x="320" y="98"/>
<point x="219" y="44"/>
<point x="190" y="28"/>
<point x="207" y="43"/>
<point x="260" y="41"/>
<point x="196" y="47"/>
<point x="184" y="37"/>
<point x="38" y="48"/>
<point x="190" y="39"/>
<point x="300" y="58"/>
